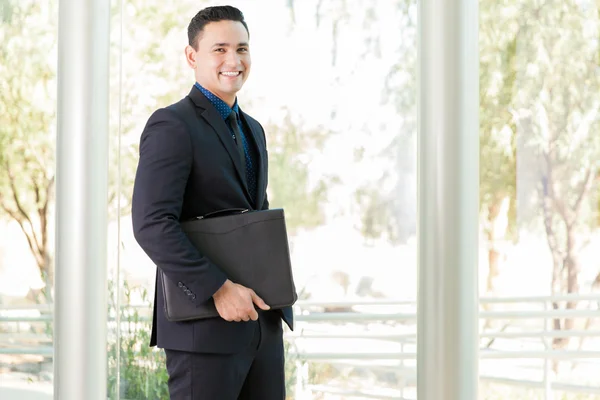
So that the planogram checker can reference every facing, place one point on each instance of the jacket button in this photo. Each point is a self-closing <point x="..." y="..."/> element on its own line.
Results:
<point x="188" y="292"/>
<point x="180" y="284"/>
<point x="193" y="297"/>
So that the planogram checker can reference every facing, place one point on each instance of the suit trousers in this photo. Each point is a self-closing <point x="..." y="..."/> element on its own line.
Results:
<point x="254" y="373"/>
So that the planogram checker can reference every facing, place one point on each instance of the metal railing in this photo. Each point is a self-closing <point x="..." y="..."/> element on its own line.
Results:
<point x="381" y="337"/>
<point x="523" y="322"/>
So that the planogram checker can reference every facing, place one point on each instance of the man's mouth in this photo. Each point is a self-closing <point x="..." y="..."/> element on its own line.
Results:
<point x="231" y="73"/>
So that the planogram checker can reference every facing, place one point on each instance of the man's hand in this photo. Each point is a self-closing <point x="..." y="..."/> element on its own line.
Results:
<point x="236" y="302"/>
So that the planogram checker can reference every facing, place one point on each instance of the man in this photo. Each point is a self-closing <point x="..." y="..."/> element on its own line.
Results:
<point x="187" y="170"/>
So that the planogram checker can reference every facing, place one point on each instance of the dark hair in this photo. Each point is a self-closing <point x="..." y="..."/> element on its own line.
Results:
<point x="212" y="14"/>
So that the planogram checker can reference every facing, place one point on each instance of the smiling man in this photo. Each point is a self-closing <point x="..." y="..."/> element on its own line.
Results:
<point x="197" y="156"/>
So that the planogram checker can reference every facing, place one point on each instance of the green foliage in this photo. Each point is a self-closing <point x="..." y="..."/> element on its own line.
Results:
<point x="557" y="114"/>
<point x="6" y="11"/>
<point x="289" y="147"/>
<point x="557" y="110"/>
<point x="290" y="369"/>
<point x="135" y="370"/>
<point x="387" y="203"/>
<point x="141" y="369"/>
<point x="27" y="113"/>
<point x="498" y="147"/>
<point x="27" y="121"/>
<point x="143" y="77"/>
<point x="539" y="89"/>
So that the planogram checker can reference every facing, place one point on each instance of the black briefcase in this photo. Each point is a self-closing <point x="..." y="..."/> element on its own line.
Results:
<point x="250" y="247"/>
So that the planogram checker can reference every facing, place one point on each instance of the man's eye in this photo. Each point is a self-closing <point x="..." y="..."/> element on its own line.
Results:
<point x="243" y="49"/>
<point x="220" y="49"/>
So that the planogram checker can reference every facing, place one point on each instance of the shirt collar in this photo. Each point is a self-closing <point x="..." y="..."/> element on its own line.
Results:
<point x="222" y="107"/>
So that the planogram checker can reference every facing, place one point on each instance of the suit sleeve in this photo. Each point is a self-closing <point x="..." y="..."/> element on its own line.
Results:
<point x="164" y="166"/>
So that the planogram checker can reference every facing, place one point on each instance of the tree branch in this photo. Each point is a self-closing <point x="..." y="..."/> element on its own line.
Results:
<point x="49" y="185"/>
<point x="36" y="190"/>
<point x="586" y="186"/>
<point x="20" y="208"/>
<point x="14" y="215"/>
<point x="550" y="192"/>
<point x="318" y="13"/>
<point x="43" y="213"/>
<point x="550" y="234"/>
<point x="290" y="6"/>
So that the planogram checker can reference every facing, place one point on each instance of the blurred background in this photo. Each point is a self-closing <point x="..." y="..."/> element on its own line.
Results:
<point x="334" y="84"/>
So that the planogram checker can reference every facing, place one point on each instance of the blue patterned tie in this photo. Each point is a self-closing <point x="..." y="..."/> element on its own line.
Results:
<point x="244" y="150"/>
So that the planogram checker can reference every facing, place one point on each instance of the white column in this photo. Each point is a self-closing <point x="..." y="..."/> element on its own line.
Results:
<point x="80" y="313"/>
<point x="448" y="190"/>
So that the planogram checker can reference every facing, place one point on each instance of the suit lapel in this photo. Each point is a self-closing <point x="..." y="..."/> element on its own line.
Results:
<point x="214" y="119"/>
<point x="256" y="136"/>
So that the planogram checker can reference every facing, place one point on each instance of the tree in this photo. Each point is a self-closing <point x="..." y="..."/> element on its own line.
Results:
<point x="27" y="120"/>
<point x="146" y="45"/>
<point x="28" y="116"/>
<point x="498" y="176"/>
<point x="557" y="119"/>
<point x="289" y="147"/>
<point x="388" y="203"/>
<point x="545" y="122"/>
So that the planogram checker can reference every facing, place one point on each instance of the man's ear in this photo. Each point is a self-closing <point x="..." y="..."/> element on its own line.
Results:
<point x="190" y="56"/>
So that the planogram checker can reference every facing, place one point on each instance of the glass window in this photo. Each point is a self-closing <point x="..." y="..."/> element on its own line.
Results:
<point x="333" y="83"/>
<point x="540" y="143"/>
<point x="28" y="59"/>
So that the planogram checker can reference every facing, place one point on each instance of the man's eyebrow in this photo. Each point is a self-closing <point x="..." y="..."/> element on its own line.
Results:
<point x="242" y="44"/>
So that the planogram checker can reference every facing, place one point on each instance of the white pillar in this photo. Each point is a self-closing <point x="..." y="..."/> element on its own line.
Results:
<point x="448" y="190"/>
<point x="80" y="313"/>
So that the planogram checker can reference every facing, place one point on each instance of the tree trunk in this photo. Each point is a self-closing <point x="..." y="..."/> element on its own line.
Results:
<point x="493" y="236"/>
<point x="566" y="268"/>
<point x="558" y="260"/>
<point x="572" y="269"/>
<point x="43" y="295"/>
<point x="33" y="221"/>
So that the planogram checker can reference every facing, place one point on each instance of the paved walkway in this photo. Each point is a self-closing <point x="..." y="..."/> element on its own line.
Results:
<point x="24" y="393"/>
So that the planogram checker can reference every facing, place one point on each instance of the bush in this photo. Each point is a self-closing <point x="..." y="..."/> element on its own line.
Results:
<point x="142" y="374"/>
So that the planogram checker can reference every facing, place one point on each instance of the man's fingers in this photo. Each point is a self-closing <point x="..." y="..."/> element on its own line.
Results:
<point x="239" y="313"/>
<point x="259" y="302"/>
<point x="253" y="315"/>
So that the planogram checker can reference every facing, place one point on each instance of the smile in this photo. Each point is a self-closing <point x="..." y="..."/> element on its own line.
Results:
<point x="231" y="73"/>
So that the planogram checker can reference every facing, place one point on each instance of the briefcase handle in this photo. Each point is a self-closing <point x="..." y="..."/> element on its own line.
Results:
<point x="227" y="211"/>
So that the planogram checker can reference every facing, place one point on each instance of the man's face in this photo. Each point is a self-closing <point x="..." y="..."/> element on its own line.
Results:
<point x="222" y="61"/>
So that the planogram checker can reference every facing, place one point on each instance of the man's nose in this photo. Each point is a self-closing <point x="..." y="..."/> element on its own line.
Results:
<point x="233" y="58"/>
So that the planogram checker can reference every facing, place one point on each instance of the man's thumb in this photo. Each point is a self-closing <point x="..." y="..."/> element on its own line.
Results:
<point x="259" y="302"/>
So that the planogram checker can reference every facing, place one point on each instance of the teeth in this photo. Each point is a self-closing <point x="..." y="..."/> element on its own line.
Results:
<point x="230" y="73"/>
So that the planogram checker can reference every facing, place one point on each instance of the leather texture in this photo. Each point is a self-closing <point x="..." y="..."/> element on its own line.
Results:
<point x="251" y="248"/>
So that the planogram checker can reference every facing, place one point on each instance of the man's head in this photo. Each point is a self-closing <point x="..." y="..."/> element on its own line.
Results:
<point x="218" y="50"/>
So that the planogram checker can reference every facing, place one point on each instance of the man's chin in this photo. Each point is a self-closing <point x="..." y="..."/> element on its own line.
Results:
<point x="231" y="90"/>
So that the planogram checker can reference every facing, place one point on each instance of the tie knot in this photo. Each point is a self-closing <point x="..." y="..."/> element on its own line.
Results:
<point x="232" y="116"/>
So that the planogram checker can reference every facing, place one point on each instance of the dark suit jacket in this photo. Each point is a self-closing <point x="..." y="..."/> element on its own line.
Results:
<point x="184" y="172"/>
